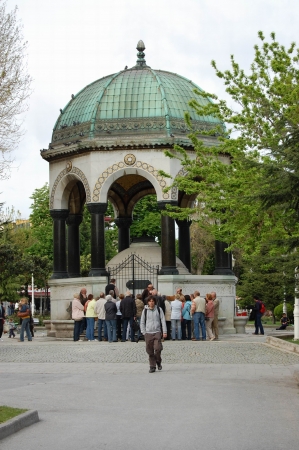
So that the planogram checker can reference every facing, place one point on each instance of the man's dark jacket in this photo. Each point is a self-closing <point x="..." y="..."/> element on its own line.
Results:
<point x="128" y="307"/>
<point x="110" y="287"/>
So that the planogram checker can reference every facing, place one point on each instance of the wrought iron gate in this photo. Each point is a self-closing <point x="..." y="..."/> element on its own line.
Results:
<point x="133" y="274"/>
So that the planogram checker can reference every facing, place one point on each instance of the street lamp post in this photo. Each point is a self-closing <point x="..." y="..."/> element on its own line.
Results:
<point x="32" y="295"/>
<point x="296" y="306"/>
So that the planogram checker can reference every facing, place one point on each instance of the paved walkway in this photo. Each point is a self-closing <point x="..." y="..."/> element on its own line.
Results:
<point x="237" y="393"/>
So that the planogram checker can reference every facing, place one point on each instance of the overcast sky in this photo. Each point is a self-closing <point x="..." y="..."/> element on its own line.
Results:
<point x="74" y="42"/>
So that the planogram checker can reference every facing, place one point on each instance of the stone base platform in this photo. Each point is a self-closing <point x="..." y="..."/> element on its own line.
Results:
<point x="63" y="290"/>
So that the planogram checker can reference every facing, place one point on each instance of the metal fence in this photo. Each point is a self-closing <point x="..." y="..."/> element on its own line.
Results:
<point x="133" y="274"/>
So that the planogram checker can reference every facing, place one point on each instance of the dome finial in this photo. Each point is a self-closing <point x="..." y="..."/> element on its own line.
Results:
<point x="140" y="61"/>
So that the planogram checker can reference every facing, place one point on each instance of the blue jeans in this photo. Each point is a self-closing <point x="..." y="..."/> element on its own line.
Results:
<point x="25" y="327"/>
<point x="77" y="328"/>
<point x="102" y="322"/>
<point x="186" y="323"/>
<point x="111" y="329"/>
<point x="90" y="328"/>
<point x="199" y="320"/>
<point x="126" y="320"/>
<point x="82" y="325"/>
<point x="258" y="323"/>
<point x="176" y="323"/>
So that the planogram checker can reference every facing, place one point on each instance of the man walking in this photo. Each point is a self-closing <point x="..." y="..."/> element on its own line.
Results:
<point x="152" y="326"/>
<point x="216" y="314"/>
<point x="198" y="310"/>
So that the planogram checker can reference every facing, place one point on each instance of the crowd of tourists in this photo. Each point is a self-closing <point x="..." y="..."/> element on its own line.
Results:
<point x="114" y="317"/>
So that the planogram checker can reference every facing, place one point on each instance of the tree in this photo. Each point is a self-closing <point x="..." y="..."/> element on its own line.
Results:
<point x="146" y="218"/>
<point x="202" y="249"/>
<point x="255" y="199"/>
<point x="42" y="224"/>
<point x="14" y="84"/>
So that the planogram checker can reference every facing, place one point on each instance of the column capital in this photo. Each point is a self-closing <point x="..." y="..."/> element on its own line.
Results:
<point x="162" y="204"/>
<point x="74" y="219"/>
<point x="59" y="213"/>
<point x="123" y="222"/>
<point x="97" y="208"/>
<point x="183" y="223"/>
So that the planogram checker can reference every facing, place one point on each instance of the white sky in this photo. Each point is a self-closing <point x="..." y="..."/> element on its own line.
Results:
<point x="71" y="43"/>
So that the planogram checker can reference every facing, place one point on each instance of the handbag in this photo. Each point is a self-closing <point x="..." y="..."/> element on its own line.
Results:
<point x="23" y="314"/>
<point x="135" y="325"/>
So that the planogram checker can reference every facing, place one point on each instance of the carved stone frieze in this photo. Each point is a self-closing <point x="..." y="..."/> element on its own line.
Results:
<point x="120" y="165"/>
<point x="79" y="174"/>
<point x="120" y="126"/>
<point x="68" y="133"/>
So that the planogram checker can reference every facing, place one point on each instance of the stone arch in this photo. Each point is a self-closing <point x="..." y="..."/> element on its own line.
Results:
<point x="63" y="185"/>
<point x="117" y="170"/>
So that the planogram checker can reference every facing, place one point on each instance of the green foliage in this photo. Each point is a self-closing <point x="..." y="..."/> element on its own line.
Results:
<point x="253" y="198"/>
<point x="202" y="250"/>
<point x="279" y="310"/>
<point x="111" y="241"/>
<point x="146" y="218"/>
<point x="85" y="265"/>
<point x="271" y="277"/>
<point x="85" y="233"/>
<point x="41" y="222"/>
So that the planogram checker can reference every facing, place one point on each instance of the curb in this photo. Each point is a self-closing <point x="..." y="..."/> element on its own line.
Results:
<point x="282" y="345"/>
<point x="17" y="423"/>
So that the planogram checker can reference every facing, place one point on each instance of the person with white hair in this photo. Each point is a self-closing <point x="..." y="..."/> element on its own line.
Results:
<point x="128" y="311"/>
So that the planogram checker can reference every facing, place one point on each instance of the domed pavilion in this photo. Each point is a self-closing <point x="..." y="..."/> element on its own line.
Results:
<point x="108" y="143"/>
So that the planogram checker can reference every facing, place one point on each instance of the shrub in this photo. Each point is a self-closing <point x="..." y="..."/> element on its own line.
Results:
<point x="278" y="311"/>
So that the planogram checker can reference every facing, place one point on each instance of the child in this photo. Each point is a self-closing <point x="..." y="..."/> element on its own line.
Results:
<point x="284" y="322"/>
<point x="11" y="328"/>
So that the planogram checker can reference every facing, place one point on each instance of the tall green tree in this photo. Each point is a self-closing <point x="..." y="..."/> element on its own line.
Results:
<point x="41" y="222"/>
<point x="253" y="200"/>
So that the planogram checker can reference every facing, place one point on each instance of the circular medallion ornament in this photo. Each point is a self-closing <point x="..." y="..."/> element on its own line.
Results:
<point x="130" y="159"/>
<point x="69" y="166"/>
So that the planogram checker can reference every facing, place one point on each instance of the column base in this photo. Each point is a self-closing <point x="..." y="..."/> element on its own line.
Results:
<point x="223" y="272"/>
<point x="168" y="270"/>
<point x="74" y="275"/>
<point x="59" y="275"/>
<point x="98" y="273"/>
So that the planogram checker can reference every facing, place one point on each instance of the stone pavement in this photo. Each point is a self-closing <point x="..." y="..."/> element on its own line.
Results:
<point x="237" y="393"/>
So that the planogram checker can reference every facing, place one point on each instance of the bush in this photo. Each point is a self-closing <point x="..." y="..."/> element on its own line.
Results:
<point x="278" y="311"/>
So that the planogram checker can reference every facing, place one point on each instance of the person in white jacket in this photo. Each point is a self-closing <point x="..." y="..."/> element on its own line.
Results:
<point x="77" y="316"/>
<point x="153" y="325"/>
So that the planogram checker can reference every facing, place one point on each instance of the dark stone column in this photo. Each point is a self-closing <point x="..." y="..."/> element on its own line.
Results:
<point x="59" y="242"/>
<point x="73" y="245"/>
<point x="167" y="243"/>
<point x="123" y="224"/>
<point x="98" y="262"/>
<point x="223" y="259"/>
<point x="184" y="242"/>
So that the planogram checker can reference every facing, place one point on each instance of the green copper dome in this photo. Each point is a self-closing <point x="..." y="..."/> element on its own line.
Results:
<point x="132" y="107"/>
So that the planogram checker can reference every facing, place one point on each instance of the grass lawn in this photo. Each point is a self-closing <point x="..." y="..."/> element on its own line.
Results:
<point x="7" y="413"/>
<point x="289" y="339"/>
